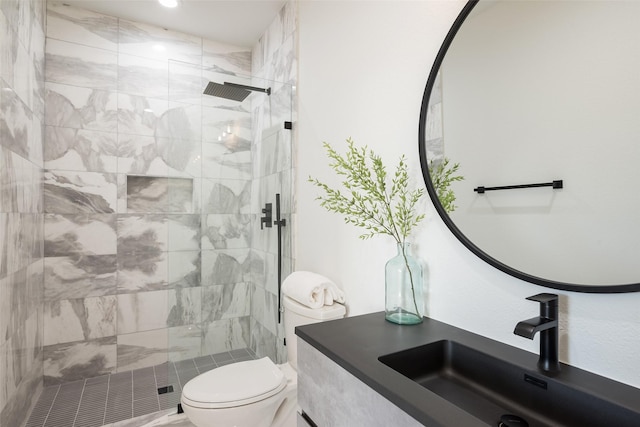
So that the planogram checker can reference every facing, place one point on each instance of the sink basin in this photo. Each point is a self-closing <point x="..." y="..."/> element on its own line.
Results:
<point x="488" y="387"/>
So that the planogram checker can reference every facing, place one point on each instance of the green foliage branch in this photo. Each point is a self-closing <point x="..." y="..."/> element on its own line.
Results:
<point x="442" y="176"/>
<point x="369" y="202"/>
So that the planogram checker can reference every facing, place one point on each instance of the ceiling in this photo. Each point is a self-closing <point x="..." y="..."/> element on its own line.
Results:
<point x="237" y="22"/>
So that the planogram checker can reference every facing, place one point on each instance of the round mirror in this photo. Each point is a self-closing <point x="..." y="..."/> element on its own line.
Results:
<point x="539" y="104"/>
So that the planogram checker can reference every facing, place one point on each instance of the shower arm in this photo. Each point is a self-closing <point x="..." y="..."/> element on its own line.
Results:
<point x="251" y="88"/>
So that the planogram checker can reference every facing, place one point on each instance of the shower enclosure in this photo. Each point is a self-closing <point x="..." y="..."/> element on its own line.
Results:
<point x="149" y="197"/>
<point x="227" y="159"/>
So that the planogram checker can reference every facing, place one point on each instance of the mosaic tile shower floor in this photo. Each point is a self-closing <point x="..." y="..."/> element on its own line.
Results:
<point x="109" y="400"/>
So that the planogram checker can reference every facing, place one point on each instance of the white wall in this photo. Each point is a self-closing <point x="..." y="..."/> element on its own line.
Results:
<point x="362" y="71"/>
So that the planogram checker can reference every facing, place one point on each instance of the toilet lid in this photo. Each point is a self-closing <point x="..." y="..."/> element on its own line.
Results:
<point x="236" y="384"/>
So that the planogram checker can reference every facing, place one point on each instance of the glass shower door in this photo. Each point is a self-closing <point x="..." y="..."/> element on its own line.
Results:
<point x="271" y="248"/>
<point x="228" y="158"/>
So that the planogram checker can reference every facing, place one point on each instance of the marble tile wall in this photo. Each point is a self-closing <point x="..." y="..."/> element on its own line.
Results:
<point x="274" y="60"/>
<point x="434" y="138"/>
<point x="22" y="44"/>
<point x="147" y="197"/>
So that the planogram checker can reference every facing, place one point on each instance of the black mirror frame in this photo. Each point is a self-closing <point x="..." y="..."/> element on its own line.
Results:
<point x="623" y="288"/>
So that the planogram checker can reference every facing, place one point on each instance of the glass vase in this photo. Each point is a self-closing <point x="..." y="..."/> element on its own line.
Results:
<point x="404" y="291"/>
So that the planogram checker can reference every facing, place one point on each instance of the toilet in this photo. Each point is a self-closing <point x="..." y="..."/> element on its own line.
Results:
<point x="254" y="393"/>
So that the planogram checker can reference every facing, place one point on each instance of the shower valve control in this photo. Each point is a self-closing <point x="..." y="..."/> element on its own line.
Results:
<point x="266" y="220"/>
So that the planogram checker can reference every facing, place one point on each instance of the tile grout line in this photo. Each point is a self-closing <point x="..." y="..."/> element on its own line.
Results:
<point x="132" y="393"/>
<point x="155" y="377"/>
<point x="84" y="383"/>
<point x="104" y="417"/>
<point x="175" y="368"/>
<point x="51" y="407"/>
<point x="172" y="365"/>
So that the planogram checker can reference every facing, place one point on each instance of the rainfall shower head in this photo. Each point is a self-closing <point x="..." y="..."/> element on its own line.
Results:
<point x="233" y="91"/>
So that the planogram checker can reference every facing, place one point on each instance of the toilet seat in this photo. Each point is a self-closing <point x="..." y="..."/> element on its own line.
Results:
<point x="234" y="385"/>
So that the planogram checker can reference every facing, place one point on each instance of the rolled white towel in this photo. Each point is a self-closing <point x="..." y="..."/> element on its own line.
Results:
<point x="311" y="289"/>
<point x="333" y="293"/>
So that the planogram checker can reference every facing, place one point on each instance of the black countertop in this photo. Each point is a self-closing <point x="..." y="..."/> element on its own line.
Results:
<point x="355" y="343"/>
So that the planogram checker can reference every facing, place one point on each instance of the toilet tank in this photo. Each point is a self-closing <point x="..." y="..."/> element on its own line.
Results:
<point x="296" y="314"/>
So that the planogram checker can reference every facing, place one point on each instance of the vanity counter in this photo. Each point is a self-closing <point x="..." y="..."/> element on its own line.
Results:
<point x="356" y="343"/>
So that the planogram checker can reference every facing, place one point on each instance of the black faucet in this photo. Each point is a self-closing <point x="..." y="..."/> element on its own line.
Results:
<point x="547" y="325"/>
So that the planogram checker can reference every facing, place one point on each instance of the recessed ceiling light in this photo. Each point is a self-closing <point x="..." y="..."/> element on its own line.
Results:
<point x="168" y="3"/>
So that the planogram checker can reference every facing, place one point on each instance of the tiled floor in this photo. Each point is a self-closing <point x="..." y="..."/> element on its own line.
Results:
<point x="111" y="398"/>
